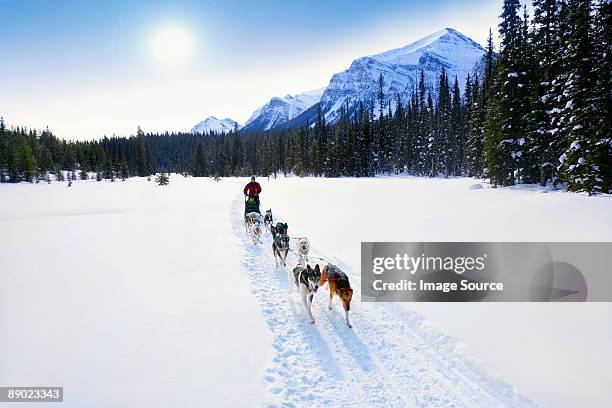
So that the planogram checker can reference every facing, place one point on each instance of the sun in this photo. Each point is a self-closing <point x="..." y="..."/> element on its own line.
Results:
<point x="172" y="46"/>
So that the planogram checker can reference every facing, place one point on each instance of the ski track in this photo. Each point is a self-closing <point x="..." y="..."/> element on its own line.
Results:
<point x="390" y="358"/>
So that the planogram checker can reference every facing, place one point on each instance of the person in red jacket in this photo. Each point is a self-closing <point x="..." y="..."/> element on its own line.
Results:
<point x="252" y="189"/>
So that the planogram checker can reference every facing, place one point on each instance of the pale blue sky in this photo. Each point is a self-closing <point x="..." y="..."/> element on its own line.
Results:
<point x="86" y="69"/>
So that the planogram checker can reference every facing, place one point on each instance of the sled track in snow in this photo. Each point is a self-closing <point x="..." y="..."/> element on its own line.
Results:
<point x="390" y="358"/>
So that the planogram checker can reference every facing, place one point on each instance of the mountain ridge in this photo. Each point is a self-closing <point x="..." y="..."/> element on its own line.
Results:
<point x="401" y="68"/>
<point x="212" y="124"/>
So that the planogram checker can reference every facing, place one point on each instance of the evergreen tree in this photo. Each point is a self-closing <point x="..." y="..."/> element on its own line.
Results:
<point x="602" y="66"/>
<point x="124" y="170"/>
<point x="3" y="151"/>
<point x="505" y="130"/>
<point x="162" y="178"/>
<point x="27" y="164"/>
<point x="457" y="147"/>
<point x="579" y="162"/>
<point x="441" y="149"/>
<point x="142" y="160"/>
<point x="83" y="166"/>
<point x="199" y="161"/>
<point x="544" y="72"/>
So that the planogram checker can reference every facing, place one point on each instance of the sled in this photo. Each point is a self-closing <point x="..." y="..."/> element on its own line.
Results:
<point x="251" y="205"/>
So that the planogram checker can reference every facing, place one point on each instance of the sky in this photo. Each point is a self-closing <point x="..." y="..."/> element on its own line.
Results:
<point x="87" y="69"/>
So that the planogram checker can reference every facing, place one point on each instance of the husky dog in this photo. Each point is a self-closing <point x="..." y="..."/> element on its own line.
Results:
<point x="252" y="222"/>
<point x="306" y="280"/>
<point x="268" y="220"/>
<point x="338" y="285"/>
<point x="280" y="247"/>
<point x="303" y="248"/>
<point x="281" y="228"/>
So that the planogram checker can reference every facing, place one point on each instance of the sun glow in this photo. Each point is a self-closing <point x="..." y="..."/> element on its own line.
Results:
<point x="172" y="46"/>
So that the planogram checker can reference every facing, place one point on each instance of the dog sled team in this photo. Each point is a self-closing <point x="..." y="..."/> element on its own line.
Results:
<point x="307" y="279"/>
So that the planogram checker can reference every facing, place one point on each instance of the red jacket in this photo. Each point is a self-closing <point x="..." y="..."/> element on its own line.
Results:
<point x="252" y="189"/>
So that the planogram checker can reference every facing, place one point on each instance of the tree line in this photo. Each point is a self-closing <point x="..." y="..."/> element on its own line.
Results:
<point x="538" y="111"/>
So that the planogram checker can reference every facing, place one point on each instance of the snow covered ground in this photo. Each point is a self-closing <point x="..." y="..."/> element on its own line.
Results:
<point x="131" y="294"/>
<point x="128" y="294"/>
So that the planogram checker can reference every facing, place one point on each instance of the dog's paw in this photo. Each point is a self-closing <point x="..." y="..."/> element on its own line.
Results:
<point x="350" y="326"/>
<point x="312" y="321"/>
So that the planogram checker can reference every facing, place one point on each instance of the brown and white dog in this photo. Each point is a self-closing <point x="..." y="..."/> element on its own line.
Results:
<point x="338" y="285"/>
<point x="252" y="223"/>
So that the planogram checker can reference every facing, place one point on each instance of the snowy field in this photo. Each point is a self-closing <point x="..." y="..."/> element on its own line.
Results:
<point x="130" y="294"/>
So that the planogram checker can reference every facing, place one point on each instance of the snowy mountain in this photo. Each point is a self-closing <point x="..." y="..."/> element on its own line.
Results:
<point x="212" y="124"/>
<point x="401" y="69"/>
<point x="279" y="111"/>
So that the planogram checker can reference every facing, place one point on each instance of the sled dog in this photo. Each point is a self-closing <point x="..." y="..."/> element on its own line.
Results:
<point x="303" y="248"/>
<point x="338" y="285"/>
<point x="281" y="228"/>
<point x="306" y="280"/>
<point x="252" y="223"/>
<point x="280" y="247"/>
<point x="268" y="220"/>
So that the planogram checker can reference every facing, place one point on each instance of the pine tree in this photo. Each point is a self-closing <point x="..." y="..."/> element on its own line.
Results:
<point x="481" y="93"/>
<point x="27" y="164"/>
<point x="142" y="160"/>
<point x="199" y="161"/>
<point x="442" y="157"/>
<point x="162" y="178"/>
<point x="124" y="170"/>
<point x="505" y="129"/>
<point x="83" y="166"/>
<point x="558" y="95"/>
<point x="602" y="66"/>
<point x="98" y="171"/>
<point x="109" y="171"/>
<point x="319" y="153"/>
<point x="3" y="151"/>
<point x="579" y="162"/>
<point x="458" y="132"/>
<point x="59" y="174"/>
<point x="544" y="71"/>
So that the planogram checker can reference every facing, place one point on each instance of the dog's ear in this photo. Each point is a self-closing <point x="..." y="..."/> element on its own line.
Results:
<point x="317" y="269"/>
<point x="308" y="268"/>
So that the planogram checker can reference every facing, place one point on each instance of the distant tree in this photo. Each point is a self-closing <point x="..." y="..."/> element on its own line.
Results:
<point x="59" y="174"/>
<point x="162" y="178"/>
<point x="124" y="170"/>
<point x="27" y="164"/>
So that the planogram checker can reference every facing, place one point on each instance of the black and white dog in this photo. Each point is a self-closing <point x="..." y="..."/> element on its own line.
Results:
<point x="280" y="242"/>
<point x="280" y="246"/>
<point x="281" y="228"/>
<point x="306" y="280"/>
<point x="268" y="220"/>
